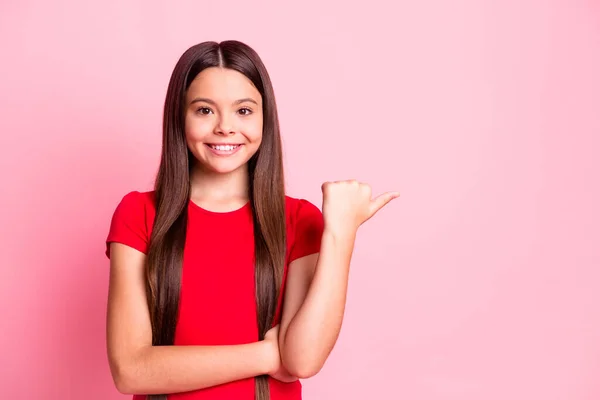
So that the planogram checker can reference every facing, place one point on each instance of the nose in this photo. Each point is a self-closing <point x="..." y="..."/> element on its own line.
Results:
<point x="224" y="126"/>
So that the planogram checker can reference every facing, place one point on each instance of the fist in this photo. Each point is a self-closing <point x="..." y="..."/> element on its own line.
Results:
<point x="348" y="204"/>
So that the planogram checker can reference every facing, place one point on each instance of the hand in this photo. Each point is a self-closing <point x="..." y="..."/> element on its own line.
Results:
<point x="348" y="204"/>
<point x="276" y="371"/>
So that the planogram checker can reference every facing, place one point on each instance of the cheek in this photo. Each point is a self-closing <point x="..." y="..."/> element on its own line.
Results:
<point x="195" y="131"/>
<point x="255" y="132"/>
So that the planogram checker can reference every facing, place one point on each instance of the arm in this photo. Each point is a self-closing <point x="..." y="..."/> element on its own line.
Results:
<point x="140" y="368"/>
<point x="314" y="305"/>
<point x="315" y="297"/>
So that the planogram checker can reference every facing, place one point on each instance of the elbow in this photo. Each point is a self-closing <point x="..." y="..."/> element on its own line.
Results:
<point x="305" y="371"/>
<point x="303" y="367"/>
<point x="124" y="387"/>
<point x="125" y="379"/>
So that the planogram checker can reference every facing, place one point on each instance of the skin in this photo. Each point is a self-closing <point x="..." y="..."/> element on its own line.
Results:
<point x="224" y="107"/>
<point x="317" y="284"/>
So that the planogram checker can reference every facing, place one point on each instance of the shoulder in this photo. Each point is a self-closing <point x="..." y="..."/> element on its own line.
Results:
<point x="136" y="203"/>
<point x="298" y="207"/>
<point x="298" y="210"/>
<point x="305" y="227"/>
<point x="132" y="221"/>
<point x="138" y="199"/>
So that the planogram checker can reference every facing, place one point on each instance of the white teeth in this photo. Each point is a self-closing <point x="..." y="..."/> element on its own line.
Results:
<point x="224" y="148"/>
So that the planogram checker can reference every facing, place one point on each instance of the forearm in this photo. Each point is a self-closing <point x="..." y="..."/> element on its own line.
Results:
<point x="314" y="329"/>
<point x="173" y="369"/>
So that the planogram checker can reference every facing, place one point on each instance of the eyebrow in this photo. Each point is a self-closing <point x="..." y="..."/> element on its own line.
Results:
<point x="209" y="101"/>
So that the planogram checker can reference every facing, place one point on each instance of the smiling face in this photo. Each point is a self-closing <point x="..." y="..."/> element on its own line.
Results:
<point x="223" y="120"/>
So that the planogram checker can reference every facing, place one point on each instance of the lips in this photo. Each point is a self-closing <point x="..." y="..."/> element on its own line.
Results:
<point x="223" y="149"/>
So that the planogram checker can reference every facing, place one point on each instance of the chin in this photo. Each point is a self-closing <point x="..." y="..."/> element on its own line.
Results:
<point x="222" y="168"/>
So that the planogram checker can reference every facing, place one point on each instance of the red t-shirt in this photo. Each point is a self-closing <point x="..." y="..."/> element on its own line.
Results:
<point x="217" y="304"/>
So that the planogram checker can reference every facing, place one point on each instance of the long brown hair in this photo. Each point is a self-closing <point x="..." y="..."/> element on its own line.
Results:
<point x="172" y="190"/>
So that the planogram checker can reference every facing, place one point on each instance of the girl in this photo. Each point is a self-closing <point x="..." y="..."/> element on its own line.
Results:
<point x="221" y="286"/>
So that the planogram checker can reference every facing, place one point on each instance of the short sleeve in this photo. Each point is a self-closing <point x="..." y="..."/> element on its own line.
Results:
<point x="308" y="230"/>
<point x="128" y="224"/>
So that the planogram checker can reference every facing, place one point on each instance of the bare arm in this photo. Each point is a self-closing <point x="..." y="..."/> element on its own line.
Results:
<point x="317" y="285"/>
<point x="140" y="368"/>
<point x="314" y="305"/>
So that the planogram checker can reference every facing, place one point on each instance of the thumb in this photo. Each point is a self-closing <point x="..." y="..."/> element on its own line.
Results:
<point x="378" y="202"/>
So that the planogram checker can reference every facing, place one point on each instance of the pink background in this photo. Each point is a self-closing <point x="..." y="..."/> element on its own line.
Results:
<point x="481" y="282"/>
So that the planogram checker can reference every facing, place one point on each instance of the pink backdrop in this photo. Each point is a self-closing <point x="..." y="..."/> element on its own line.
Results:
<point x="481" y="282"/>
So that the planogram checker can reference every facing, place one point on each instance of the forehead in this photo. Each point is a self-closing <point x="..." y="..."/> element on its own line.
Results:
<point x="222" y="84"/>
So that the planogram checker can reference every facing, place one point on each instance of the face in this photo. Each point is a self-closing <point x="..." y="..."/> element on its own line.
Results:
<point x="223" y="119"/>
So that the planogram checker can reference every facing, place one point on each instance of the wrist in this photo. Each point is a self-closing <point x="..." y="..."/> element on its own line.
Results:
<point x="339" y="232"/>
<point x="269" y="357"/>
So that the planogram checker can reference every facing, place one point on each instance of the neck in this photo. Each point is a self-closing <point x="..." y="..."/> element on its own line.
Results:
<point x="217" y="187"/>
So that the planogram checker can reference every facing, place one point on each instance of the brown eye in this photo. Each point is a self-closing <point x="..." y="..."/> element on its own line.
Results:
<point x="245" y="111"/>
<point x="204" y="111"/>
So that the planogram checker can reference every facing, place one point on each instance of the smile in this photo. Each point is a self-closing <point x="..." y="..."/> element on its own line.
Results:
<point x="224" y="149"/>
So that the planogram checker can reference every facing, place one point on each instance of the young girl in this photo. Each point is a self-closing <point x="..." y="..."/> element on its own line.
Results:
<point x="221" y="286"/>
